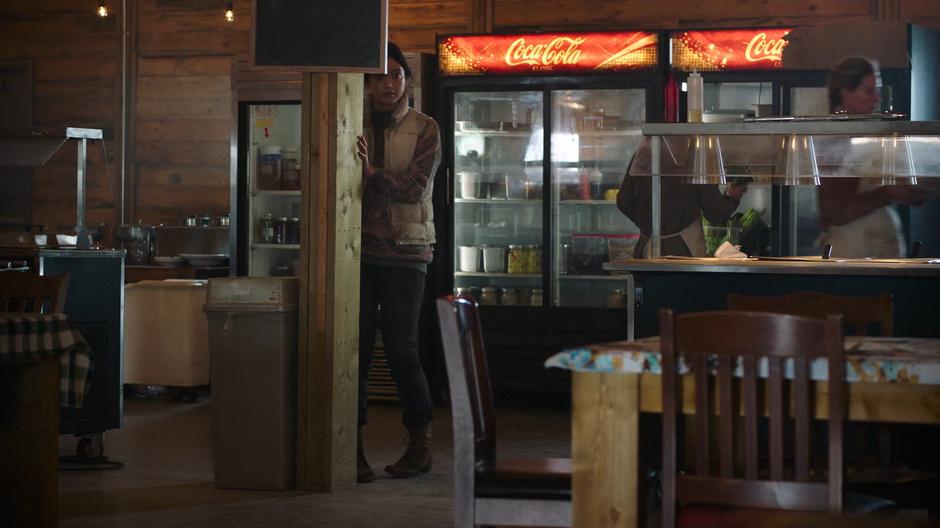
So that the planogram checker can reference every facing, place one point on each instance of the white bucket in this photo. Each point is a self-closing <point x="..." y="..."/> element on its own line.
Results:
<point x="470" y="258"/>
<point x="494" y="259"/>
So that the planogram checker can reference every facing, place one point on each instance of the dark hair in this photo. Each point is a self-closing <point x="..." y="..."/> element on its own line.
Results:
<point x="848" y="75"/>
<point x="394" y="52"/>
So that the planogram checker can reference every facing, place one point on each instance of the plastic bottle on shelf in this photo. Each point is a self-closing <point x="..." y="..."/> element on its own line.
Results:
<point x="267" y="229"/>
<point x="269" y="168"/>
<point x="696" y="96"/>
<point x="290" y="170"/>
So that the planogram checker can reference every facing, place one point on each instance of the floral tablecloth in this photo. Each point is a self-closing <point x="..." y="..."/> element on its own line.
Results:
<point x="26" y="337"/>
<point x="868" y="359"/>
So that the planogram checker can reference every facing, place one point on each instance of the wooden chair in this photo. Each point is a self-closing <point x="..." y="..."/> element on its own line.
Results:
<point x="859" y="314"/>
<point x="487" y="490"/>
<point x="25" y="292"/>
<point x="722" y="338"/>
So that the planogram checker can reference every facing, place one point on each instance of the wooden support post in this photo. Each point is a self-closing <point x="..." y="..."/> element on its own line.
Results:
<point x="328" y="355"/>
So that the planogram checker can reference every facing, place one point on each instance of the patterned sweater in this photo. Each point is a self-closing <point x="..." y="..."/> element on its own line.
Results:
<point x="379" y="244"/>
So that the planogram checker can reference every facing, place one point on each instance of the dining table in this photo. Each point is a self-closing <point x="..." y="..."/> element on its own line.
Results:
<point x="889" y="379"/>
<point x="44" y="365"/>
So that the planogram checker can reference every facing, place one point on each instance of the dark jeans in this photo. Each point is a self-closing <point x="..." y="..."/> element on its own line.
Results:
<point x="399" y="291"/>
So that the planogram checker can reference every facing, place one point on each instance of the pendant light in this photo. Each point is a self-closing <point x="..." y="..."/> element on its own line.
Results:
<point x="102" y="9"/>
<point x="229" y="12"/>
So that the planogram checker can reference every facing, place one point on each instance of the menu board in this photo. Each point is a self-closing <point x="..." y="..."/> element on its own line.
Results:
<point x="325" y="35"/>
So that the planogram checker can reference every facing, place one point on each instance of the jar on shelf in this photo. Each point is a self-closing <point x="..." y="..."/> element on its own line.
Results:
<point x="533" y="255"/>
<point x="536" y="298"/>
<point x="293" y="231"/>
<point x="489" y="296"/>
<point x="269" y="167"/>
<point x="280" y="230"/>
<point x="290" y="170"/>
<point x="518" y="259"/>
<point x="510" y="297"/>
<point x="525" y="296"/>
<point x="267" y="229"/>
<point x="617" y="298"/>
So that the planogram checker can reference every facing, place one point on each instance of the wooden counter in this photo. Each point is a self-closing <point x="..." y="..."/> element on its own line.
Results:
<point x="782" y="265"/>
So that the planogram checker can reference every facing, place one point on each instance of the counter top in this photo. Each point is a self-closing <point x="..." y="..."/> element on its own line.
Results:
<point x="782" y="265"/>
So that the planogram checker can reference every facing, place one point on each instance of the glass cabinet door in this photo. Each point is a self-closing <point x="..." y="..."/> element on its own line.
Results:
<point x="594" y="136"/>
<point x="498" y="192"/>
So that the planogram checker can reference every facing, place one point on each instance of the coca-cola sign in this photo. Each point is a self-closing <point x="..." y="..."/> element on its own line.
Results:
<point x="729" y="49"/>
<point x="548" y="53"/>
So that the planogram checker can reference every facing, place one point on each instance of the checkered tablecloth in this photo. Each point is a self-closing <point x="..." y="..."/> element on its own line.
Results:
<point x="868" y="359"/>
<point x="34" y="336"/>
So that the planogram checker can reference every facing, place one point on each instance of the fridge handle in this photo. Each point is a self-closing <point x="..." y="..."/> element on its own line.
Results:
<point x="448" y="196"/>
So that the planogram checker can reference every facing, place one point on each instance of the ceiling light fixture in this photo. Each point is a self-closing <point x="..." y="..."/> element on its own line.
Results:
<point x="229" y="12"/>
<point x="102" y="9"/>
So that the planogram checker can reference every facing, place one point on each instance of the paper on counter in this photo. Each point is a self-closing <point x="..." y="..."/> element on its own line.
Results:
<point x="728" y="251"/>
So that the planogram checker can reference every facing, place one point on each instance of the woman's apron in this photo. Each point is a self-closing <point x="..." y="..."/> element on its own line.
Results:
<point x="693" y="235"/>
<point x="877" y="234"/>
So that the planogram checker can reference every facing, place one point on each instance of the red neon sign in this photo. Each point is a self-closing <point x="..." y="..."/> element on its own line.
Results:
<point x="547" y="53"/>
<point x="729" y="49"/>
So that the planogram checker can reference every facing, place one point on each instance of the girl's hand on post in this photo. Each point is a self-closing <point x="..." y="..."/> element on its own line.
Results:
<point x="362" y="152"/>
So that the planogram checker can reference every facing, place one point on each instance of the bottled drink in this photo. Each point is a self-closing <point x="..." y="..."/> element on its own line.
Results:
<point x="267" y="229"/>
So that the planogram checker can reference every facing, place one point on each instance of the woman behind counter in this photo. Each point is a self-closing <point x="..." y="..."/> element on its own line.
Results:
<point x="857" y="215"/>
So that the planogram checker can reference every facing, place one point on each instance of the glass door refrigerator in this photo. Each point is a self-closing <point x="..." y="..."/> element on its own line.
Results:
<point x="268" y="189"/>
<point x="764" y="72"/>
<point x="537" y="132"/>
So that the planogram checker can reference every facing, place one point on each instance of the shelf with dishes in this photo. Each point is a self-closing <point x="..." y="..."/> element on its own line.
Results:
<point x="262" y="192"/>
<point x="497" y="201"/>
<point x="275" y="246"/>
<point x="498" y="275"/>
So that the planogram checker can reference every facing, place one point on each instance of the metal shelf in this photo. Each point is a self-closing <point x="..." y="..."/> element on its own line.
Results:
<point x="594" y="277"/>
<point x="275" y="246"/>
<point x="587" y="202"/>
<point x="498" y="275"/>
<point x="485" y="201"/>
<point x="275" y="193"/>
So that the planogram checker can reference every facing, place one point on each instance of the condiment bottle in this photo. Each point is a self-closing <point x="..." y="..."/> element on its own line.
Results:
<point x="615" y="299"/>
<point x="695" y="101"/>
<point x="267" y="229"/>
<point x="280" y="230"/>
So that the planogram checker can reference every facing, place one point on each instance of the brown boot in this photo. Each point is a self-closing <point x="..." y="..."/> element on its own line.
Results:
<point x="417" y="457"/>
<point x="364" y="473"/>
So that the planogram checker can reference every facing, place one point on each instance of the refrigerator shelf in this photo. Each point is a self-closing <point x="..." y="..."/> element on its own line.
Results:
<point x="595" y="277"/>
<point x="500" y="133"/>
<point x="275" y="193"/>
<point x="608" y="133"/>
<point x="487" y="201"/>
<point x="275" y="246"/>
<point x="587" y="202"/>
<point x="498" y="275"/>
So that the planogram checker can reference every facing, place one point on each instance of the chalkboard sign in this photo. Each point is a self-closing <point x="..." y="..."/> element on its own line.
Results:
<point x="320" y="35"/>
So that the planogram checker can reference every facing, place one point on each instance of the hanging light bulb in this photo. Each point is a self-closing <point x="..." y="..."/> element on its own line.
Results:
<point x="102" y="9"/>
<point x="229" y="12"/>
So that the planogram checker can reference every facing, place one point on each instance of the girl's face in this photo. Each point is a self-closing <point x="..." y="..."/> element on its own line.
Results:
<point x="386" y="90"/>
<point x="864" y="99"/>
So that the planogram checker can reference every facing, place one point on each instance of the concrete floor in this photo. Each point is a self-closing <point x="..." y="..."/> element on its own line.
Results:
<point x="168" y="471"/>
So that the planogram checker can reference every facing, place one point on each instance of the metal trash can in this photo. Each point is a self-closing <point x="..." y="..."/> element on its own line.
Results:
<point x="253" y="345"/>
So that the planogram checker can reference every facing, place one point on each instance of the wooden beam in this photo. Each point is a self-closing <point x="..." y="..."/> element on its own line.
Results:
<point x="328" y="355"/>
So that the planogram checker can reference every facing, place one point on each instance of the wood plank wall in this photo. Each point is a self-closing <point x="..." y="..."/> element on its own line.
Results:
<point x="76" y="68"/>
<point x="180" y="73"/>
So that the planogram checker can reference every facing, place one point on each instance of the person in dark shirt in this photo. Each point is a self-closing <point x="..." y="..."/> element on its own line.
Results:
<point x="682" y="208"/>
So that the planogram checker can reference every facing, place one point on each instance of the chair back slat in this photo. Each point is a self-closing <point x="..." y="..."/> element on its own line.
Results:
<point x="727" y="416"/>
<point x="478" y="380"/>
<point x="837" y="409"/>
<point x="775" y="386"/>
<point x="26" y="292"/>
<point x="751" y="407"/>
<point x="711" y="351"/>
<point x="702" y="416"/>
<point x="858" y="313"/>
<point x="801" y="413"/>
<point x="670" y="408"/>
